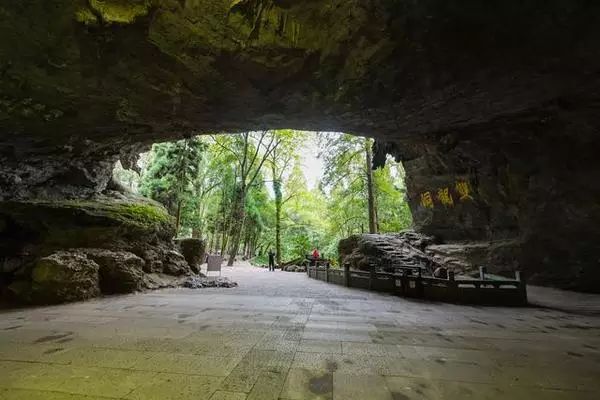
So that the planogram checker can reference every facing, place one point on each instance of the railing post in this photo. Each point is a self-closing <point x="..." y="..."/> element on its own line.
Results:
<point x="419" y="284"/>
<point x="522" y="287"/>
<point x="372" y="276"/>
<point x="327" y="273"/>
<point x="482" y="272"/>
<point x="347" y="274"/>
<point x="452" y="286"/>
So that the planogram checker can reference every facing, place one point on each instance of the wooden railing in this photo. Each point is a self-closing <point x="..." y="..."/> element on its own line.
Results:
<point x="410" y="282"/>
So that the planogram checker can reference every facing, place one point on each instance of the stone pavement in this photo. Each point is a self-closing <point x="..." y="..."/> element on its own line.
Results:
<point x="282" y="335"/>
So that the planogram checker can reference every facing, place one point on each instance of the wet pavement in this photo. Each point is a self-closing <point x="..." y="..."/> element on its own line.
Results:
<point x="281" y="335"/>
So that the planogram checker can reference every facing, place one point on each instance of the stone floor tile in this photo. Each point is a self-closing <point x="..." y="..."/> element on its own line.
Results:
<point x="190" y="364"/>
<point x="242" y="378"/>
<point x="320" y="346"/>
<point x="176" y="386"/>
<point x="221" y="395"/>
<point x="307" y="384"/>
<point x="404" y="388"/>
<point x="269" y="384"/>
<point x="21" y="394"/>
<point x="371" y="349"/>
<point x="99" y="357"/>
<point x="75" y="380"/>
<point x="351" y="387"/>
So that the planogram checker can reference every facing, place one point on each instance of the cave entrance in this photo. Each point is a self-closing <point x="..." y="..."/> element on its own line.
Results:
<point x="286" y="191"/>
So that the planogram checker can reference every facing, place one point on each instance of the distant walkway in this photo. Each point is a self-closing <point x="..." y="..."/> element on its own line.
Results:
<point x="261" y="281"/>
<point x="564" y="300"/>
<point x="281" y="335"/>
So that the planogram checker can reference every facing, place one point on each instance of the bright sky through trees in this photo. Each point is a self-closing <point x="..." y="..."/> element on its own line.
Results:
<point x="284" y="190"/>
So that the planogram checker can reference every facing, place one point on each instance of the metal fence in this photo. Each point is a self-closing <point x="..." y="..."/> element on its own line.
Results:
<point x="409" y="282"/>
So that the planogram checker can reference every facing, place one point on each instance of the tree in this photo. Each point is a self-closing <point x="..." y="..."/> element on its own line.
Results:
<point x="170" y="172"/>
<point x="372" y="210"/>
<point x="285" y="151"/>
<point x="348" y="168"/>
<point x="250" y="150"/>
<point x="247" y="193"/>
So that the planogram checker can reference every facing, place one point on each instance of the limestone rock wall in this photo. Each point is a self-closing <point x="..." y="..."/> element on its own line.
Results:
<point x="53" y="251"/>
<point x="531" y="182"/>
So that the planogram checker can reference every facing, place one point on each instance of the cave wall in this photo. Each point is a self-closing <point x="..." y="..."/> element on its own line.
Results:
<point x="528" y="183"/>
<point x="497" y="97"/>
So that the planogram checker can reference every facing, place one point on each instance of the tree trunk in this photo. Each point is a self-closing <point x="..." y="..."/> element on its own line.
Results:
<point x="217" y="241"/>
<point x="178" y="218"/>
<point x="278" y="204"/>
<point x="239" y="213"/>
<point x="370" y="189"/>
<point x="224" y="242"/>
<point x="245" y="246"/>
<point x="196" y="233"/>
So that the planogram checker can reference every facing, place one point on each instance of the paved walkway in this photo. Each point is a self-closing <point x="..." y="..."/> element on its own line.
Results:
<point x="282" y="335"/>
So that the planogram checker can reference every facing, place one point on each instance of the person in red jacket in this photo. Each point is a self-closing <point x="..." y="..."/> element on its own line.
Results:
<point x="315" y="254"/>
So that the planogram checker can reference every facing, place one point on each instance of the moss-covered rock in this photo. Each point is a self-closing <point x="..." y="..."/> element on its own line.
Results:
<point x="119" y="271"/>
<point x="43" y="226"/>
<point x="56" y="242"/>
<point x="64" y="276"/>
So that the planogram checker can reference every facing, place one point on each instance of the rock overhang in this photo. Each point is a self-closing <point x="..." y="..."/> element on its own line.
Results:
<point x="152" y="69"/>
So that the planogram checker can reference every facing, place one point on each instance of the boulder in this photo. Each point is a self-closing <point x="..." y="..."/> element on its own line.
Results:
<point x="19" y="291"/>
<point x="414" y="249"/>
<point x="160" y="281"/>
<point x="193" y="251"/>
<point x="194" y="282"/>
<point x="65" y="276"/>
<point x="498" y="256"/>
<point x="386" y="251"/>
<point x="152" y="260"/>
<point x="123" y="235"/>
<point x="175" y="264"/>
<point x="120" y="271"/>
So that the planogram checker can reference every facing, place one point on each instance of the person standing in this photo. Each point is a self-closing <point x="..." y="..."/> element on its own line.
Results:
<point x="315" y="257"/>
<point x="271" y="260"/>
<point x="316" y="254"/>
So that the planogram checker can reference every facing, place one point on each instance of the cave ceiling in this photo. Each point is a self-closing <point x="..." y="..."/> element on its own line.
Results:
<point x="136" y="71"/>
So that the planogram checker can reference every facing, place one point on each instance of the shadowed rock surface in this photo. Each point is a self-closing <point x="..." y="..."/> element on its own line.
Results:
<point x="413" y="249"/>
<point x="120" y="272"/>
<point x="194" y="252"/>
<point x="385" y="252"/>
<point x="116" y="240"/>
<point x="195" y="282"/>
<point x="64" y="276"/>
<point x="492" y="107"/>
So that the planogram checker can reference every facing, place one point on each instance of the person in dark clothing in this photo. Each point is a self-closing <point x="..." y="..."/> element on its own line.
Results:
<point x="271" y="260"/>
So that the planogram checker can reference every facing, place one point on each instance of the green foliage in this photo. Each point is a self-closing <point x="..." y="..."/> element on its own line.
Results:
<point x="171" y="172"/>
<point x="134" y="213"/>
<point x="208" y="174"/>
<point x="171" y="168"/>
